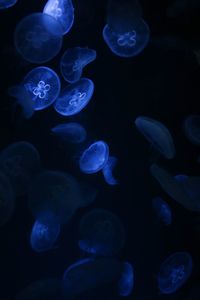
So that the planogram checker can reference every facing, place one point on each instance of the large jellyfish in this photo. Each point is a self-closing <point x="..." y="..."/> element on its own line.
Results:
<point x="157" y="134"/>
<point x="7" y="3"/>
<point x="70" y="132"/>
<point x="20" y="162"/>
<point x="162" y="210"/>
<point x="174" y="272"/>
<point x="74" y="97"/>
<point x="7" y="199"/>
<point x="126" y="282"/>
<point x="89" y="274"/>
<point x="74" y="60"/>
<point x="108" y="171"/>
<point x="62" y="11"/>
<point x="38" y="38"/>
<point x="192" y="129"/>
<point x="94" y="158"/>
<point x="102" y="233"/>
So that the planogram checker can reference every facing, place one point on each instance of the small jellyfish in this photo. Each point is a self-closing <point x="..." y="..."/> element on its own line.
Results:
<point x="7" y="3"/>
<point x="174" y="272"/>
<point x="74" y="97"/>
<point x="70" y="132"/>
<point x="157" y="134"/>
<point x="126" y="282"/>
<point x="102" y="233"/>
<point x="94" y="158"/>
<point x="38" y="38"/>
<point x="7" y="199"/>
<point x="162" y="210"/>
<point x="74" y="60"/>
<point x="108" y="171"/>
<point x="20" y="162"/>
<point x="62" y="11"/>
<point x="192" y="129"/>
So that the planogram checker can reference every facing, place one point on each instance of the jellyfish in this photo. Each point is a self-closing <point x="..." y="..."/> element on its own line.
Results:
<point x="108" y="171"/>
<point x="174" y="272"/>
<point x="74" y="97"/>
<point x="89" y="274"/>
<point x="7" y="3"/>
<point x="181" y="177"/>
<point x="20" y="161"/>
<point x="162" y="210"/>
<point x="157" y="134"/>
<point x="94" y="158"/>
<point x="74" y="60"/>
<point x="126" y="282"/>
<point x="192" y="129"/>
<point x="7" y="199"/>
<point x="70" y="132"/>
<point x="62" y="11"/>
<point x="102" y="233"/>
<point x="38" y="38"/>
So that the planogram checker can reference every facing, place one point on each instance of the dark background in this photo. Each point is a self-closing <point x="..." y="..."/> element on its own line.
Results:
<point x="163" y="83"/>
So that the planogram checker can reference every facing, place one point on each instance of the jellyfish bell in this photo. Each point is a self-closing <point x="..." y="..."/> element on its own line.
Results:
<point x="4" y="4"/>
<point x="157" y="134"/>
<point x="108" y="171"/>
<point x="38" y="38"/>
<point x="162" y="210"/>
<point x="126" y="282"/>
<point x="192" y="129"/>
<point x="7" y="199"/>
<point x="72" y="132"/>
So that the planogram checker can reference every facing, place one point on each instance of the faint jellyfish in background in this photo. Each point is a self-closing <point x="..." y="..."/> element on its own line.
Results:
<point x="90" y="273"/>
<point x="7" y="3"/>
<point x="157" y="135"/>
<point x="162" y="210"/>
<point x="192" y="129"/>
<point x="94" y="158"/>
<point x="20" y="161"/>
<point x="181" y="178"/>
<point x="108" y="171"/>
<point x="38" y="38"/>
<point x="62" y="11"/>
<point x="126" y="282"/>
<point x="74" y="97"/>
<point x="7" y="199"/>
<point x="72" y="132"/>
<point x="74" y="60"/>
<point x="174" y="272"/>
<point x="102" y="233"/>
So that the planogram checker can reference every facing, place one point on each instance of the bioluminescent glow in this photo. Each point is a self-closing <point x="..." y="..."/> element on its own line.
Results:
<point x="108" y="171"/>
<point x="162" y="210"/>
<point x="70" y="132"/>
<point x="126" y="282"/>
<point x="4" y="4"/>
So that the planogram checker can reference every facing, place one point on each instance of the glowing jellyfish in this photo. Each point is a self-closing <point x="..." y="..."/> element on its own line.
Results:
<point x="162" y="210"/>
<point x="108" y="171"/>
<point x="157" y="134"/>
<point x="174" y="272"/>
<point x="74" y="60"/>
<point x="20" y="162"/>
<point x="38" y="38"/>
<point x="126" y="282"/>
<point x="70" y="132"/>
<point x="62" y="11"/>
<point x="74" y="97"/>
<point x="192" y="129"/>
<point x="7" y="199"/>
<point x="7" y="3"/>
<point x="89" y="274"/>
<point x="102" y="233"/>
<point x="94" y="158"/>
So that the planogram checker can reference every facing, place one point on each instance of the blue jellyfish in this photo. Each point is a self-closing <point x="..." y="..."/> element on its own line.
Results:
<point x="62" y="11"/>
<point x="38" y="38"/>
<point x="7" y="3"/>
<point x="157" y="134"/>
<point x="20" y="162"/>
<point x="70" y="132"/>
<point x="192" y="129"/>
<point x="94" y="158"/>
<point x="90" y="273"/>
<point x="7" y="199"/>
<point x="174" y="272"/>
<point x="102" y="233"/>
<point x="126" y="282"/>
<point x="162" y="210"/>
<point x="74" y="60"/>
<point x="74" y="97"/>
<point x="108" y="171"/>
<point x="181" y="177"/>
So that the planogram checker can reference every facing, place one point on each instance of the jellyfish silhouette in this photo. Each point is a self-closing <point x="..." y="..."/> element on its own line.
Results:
<point x="174" y="272"/>
<point x="102" y="233"/>
<point x="157" y="134"/>
<point x="20" y="162"/>
<point x="74" y="97"/>
<point x="126" y="282"/>
<point x="38" y="38"/>
<point x="7" y="199"/>
<point x="74" y="60"/>
<point x="108" y="171"/>
<point x="94" y="158"/>
<point x="162" y="210"/>
<point x="62" y="11"/>
<point x="192" y="129"/>
<point x="70" y="132"/>
<point x="7" y="3"/>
